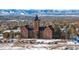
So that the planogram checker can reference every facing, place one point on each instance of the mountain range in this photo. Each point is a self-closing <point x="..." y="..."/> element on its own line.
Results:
<point x="38" y="12"/>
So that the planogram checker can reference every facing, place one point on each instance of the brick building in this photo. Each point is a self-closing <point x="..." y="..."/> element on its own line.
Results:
<point x="24" y="32"/>
<point x="34" y="30"/>
<point x="47" y="34"/>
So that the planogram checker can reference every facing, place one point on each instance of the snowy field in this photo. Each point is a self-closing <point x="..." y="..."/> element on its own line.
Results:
<point x="39" y="44"/>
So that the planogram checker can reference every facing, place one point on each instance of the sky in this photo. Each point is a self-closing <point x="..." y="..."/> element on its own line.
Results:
<point x="39" y="4"/>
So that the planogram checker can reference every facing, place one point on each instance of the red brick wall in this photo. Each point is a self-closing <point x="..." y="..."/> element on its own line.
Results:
<point x="36" y="26"/>
<point x="47" y="34"/>
<point x="24" y="32"/>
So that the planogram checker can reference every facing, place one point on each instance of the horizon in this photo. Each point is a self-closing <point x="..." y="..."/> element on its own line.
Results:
<point x="39" y="11"/>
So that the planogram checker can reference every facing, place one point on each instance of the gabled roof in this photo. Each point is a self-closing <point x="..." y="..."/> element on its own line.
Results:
<point x="50" y="26"/>
<point x="30" y="29"/>
<point x="42" y="28"/>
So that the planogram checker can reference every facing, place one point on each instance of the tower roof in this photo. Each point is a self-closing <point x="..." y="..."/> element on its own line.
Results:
<point x="36" y="18"/>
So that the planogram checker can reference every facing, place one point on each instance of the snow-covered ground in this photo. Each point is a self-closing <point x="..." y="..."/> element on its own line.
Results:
<point x="68" y="45"/>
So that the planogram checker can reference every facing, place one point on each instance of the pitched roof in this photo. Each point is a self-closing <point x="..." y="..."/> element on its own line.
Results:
<point x="42" y="28"/>
<point x="30" y="29"/>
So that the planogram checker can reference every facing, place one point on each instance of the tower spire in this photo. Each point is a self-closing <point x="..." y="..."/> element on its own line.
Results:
<point x="36" y="18"/>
